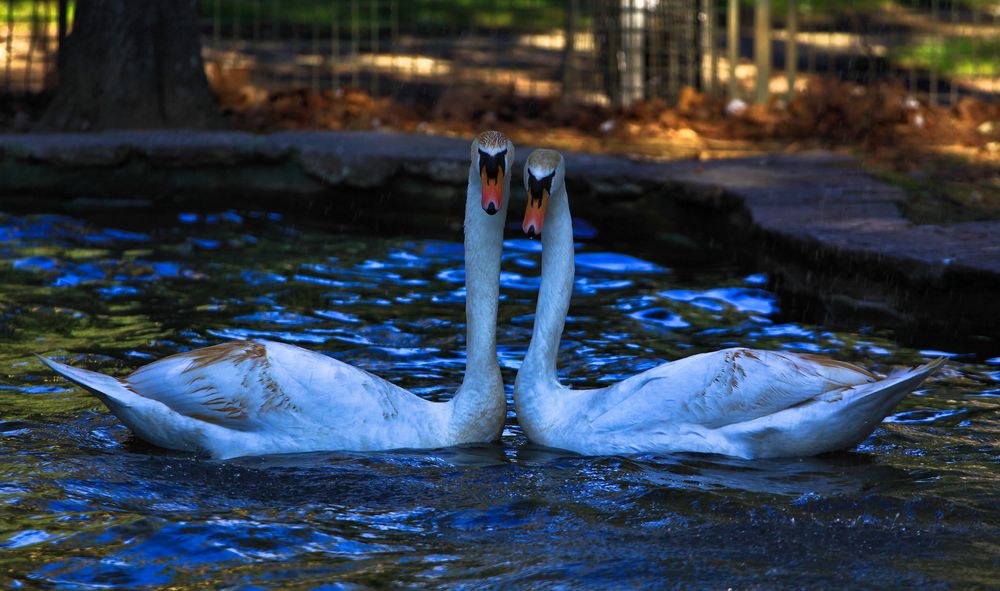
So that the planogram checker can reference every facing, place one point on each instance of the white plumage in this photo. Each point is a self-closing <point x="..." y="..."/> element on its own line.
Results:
<point x="259" y="397"/>
<point x="739" y="402"/>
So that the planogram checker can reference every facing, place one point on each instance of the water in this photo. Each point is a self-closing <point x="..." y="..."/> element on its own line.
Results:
<point x="83" y="505"/>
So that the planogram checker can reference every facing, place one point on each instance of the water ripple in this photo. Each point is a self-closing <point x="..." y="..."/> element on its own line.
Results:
<point x="86" y="505"/>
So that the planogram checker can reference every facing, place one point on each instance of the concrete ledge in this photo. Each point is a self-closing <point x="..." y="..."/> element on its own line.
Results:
<point x="823" y="228"/>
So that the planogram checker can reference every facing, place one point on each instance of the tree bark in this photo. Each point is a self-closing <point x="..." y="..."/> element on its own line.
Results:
<point x="130" y="64"/>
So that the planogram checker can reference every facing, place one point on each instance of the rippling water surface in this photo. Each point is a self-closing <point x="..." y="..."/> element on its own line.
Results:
<point x="84" y="505"/>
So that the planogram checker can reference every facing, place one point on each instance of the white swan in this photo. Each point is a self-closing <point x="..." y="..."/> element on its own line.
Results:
<point x="738" y="402"/>
<point x="258" y="397"/>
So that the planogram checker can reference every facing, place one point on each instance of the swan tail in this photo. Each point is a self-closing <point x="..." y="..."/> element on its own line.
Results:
<point x="149" y="419"/>
<point x="111" y="391"/>
<point x="864" y="407"/>
<point x="882" y="396"/>
<point x="837" y="420"/>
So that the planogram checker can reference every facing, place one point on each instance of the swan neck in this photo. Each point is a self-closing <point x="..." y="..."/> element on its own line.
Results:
<point x="483" y="244"/>
<point x="539" y="367"/>
<point x="475" y="403"/>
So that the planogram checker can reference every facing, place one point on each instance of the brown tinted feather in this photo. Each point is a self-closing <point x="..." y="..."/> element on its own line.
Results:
<point x="207" y="419"/>
<point x="232" y="407"/>
<point x="229" y="407"/>
<point x="492" y="140"/>
<point x="819" y="359"/>
<point x="233" y="351"/>
<point x="235" y="411"/>
<point x="127" y="386"/>
<point x="275" y="399"/>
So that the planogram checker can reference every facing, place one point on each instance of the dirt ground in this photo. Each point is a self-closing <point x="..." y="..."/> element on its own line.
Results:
<point x="947" y="158"/>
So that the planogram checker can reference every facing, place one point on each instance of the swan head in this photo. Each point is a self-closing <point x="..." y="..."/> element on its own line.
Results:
<point x="492" y="156"/>
<point x="543" y="175"/>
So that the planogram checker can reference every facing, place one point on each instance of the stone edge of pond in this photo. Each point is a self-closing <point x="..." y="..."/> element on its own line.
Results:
<point x="824" y="225"/>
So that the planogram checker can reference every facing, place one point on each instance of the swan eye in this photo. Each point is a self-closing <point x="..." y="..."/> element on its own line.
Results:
<point x="539" y="188"/>
<point x="492" y="165"/>
<point x="491" y="172"/>
<point x="538" y="192"/>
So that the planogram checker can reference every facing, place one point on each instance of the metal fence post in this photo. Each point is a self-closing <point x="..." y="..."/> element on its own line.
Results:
<point x="314" y="66"/>
<point x="355" y="44"/>
<point x="393" y="35"/>
<point x="708" y="74"/>
<point x="932" y="99"/>
<point x="374" y="47"/>
<point x="952" y="86"/>
<point x="762" y="49"/>
<point x="733" y="43"/>
<point x="334" y="49"/>
<point x="633" y="24"/>
<point x="653" y="68"/>
<point x="792" y="47"/>
<point x="692" y="56"/>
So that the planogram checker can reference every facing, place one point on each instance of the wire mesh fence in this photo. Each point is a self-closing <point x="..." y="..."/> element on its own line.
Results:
<point x="29" y="39"/>
<point x="595" y="51"/>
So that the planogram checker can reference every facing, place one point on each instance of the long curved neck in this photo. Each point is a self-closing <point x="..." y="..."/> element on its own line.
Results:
<point x="483" y="247"/>
<point x="539" y="367"/>
<point x="479" y="406"/>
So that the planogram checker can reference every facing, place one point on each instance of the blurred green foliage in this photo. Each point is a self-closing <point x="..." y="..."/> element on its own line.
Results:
<point x="831" y="7"/>
<point x="33" y="10"/>
<point x="363" y="14"/>
<point x="953" y="56"/>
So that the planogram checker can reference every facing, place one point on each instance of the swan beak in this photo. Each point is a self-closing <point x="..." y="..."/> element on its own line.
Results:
<point x="492" y="192"/>
<point x="534" y="215"/>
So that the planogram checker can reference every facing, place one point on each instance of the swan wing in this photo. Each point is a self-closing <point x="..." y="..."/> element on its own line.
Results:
<point x="722" y="388"/>
<point x="837" y="420"/>
<point x="246" y="385"/>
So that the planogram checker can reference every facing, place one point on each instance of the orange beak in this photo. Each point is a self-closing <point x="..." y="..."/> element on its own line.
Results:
<point x="534" y="215"/>
<point x="492" y="192"/>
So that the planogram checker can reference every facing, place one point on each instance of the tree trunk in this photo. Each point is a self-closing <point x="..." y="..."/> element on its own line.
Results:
<point x="130" y="64"/>
<point x="568" y="67"/>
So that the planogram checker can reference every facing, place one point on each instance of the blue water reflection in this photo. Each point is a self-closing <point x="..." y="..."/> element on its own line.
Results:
<point x="610" y="262"/>
<point x="85" y="505"/>
<point x="742" y="299"/>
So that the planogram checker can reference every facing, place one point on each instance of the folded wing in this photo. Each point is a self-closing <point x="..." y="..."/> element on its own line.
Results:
<point x="723" y="387"/>
<point x="245" y="384"/>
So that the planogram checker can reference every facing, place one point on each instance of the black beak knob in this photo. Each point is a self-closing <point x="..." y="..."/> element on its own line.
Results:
<point x="491" y="209"/>
<point x="531" y="232"/>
